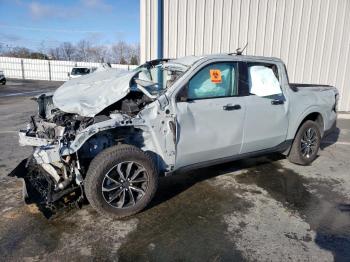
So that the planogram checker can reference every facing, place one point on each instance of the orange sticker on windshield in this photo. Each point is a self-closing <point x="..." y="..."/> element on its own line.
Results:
<point x="215" y="76"/>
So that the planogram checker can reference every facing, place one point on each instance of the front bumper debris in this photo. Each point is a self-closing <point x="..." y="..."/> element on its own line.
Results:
<point x="38" y="189"/>
<point x="25" y="140"/>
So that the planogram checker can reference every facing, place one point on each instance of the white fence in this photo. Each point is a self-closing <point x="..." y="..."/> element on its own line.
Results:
<point x="37" y="69"/>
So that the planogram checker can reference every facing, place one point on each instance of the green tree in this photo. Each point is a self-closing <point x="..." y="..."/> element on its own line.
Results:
<point x="38" y="55"/>
<point x="134" y="60"/>
<point x="122" y="61"/>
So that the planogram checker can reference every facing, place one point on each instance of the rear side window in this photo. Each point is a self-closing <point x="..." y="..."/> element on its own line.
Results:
<point x="213" y="81"/>
<point x="263" y="80"/>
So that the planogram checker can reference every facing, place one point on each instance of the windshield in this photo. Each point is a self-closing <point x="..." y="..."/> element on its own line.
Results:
<point x="156" y="78"/>
<point x="80" y="71"/>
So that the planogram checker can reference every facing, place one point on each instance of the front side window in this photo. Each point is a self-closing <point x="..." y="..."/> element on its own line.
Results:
<point x="214" y="80"/>
<point x="157" y="78"/>
<point x="263" y="80"/>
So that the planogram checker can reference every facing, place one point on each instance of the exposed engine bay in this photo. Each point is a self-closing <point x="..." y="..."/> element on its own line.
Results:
<point x="64" y="143"/>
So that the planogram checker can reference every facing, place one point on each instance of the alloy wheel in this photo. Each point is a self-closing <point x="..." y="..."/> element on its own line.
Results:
<point x="309" y="143"/>
<point x="125" y="184"/>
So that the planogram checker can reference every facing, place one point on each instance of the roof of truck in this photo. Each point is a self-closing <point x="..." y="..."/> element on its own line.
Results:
<point x="191" y="60"/>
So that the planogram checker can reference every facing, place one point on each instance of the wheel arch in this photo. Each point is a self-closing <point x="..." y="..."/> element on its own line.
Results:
<point x="138" y="136"/>
<point x="315" y="116"/>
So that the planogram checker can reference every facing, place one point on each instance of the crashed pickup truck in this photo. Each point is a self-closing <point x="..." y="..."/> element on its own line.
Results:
<point x="110" y="135"/>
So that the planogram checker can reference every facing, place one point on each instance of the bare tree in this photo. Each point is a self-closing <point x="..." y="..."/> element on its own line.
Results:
<point x="55" y="53"/>
<point x="68" y="50"/>
<point x="120" y="51"/>
<point x="42" y="47"/>
<point x="82" y="50"/>
<point x="21" y="52"/>
<point x="134" y="54"/>
<point x="98" y="53"/>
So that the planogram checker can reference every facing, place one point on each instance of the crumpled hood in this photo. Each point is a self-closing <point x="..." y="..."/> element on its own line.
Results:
<point x="90" y="94"/>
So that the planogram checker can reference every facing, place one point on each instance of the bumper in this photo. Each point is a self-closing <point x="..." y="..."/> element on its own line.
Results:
<point x="331" y="124"/>
<point x="331" y="129"/>
<point x="25" y="140"/>
<point x="45" y="151"/>
<point x="47" y="200"/>
<point x="35" y="186"/>
<point x="38" y="189"/>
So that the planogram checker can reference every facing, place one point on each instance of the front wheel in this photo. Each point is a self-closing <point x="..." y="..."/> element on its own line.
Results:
<point x="121" y="181"/>
<point x="306" y="144"/>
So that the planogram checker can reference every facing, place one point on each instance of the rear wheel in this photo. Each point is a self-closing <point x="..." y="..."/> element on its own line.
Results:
<point x="306" y="144"/>
<point x="121" y="181"/>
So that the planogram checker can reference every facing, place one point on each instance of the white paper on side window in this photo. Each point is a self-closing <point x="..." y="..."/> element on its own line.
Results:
<point x="263" y="81"/>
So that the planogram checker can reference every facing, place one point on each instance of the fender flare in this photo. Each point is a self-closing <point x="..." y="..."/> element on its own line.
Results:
<point x="310" y="110"/>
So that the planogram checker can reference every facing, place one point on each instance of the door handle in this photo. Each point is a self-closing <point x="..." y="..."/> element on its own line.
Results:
<point x="230" y="107"/>
<point x="277" y="102"/>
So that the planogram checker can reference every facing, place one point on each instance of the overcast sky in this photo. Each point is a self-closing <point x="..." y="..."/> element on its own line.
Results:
<point x="31" y="23"/>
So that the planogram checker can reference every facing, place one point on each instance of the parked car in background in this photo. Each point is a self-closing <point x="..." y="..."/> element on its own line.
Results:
<point x="110" y="136"/>
<point x="79" y="71"/>
<point x="2" y="78"/>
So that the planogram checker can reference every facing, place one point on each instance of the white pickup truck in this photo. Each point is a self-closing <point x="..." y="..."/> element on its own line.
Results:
<point x="79" y="71"/>
<point x="111" y="134"/>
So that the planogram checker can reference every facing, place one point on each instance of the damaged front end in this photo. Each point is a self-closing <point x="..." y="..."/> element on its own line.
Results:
<point x="63" y="146"/>
<point x="70" y="130"/>
<point x="53" y="171"/>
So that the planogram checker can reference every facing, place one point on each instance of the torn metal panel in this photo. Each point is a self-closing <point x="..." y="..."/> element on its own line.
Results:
<point x="47" y="154"/>
<point x="25" y="140"/>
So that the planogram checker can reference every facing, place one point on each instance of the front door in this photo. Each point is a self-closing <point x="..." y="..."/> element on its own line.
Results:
<point x="210" y="120"/>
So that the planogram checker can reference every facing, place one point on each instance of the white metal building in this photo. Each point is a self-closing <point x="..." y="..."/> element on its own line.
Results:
<point x="311" y="36"/>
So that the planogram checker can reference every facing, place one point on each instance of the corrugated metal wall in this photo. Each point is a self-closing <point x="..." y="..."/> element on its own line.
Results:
<point x="148" y="29"/>
<point x="311" y="36"/>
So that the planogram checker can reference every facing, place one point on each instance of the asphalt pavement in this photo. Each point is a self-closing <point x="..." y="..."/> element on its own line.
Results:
<point x="17" y="87"/>
<point x="258" y="209"/>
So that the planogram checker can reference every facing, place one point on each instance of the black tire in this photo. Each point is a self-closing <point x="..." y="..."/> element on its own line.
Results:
<point x="99" y="177"/>
<point x="299" y="153"/>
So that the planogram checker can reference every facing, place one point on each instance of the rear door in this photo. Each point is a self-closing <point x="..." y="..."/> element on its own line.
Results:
<point x="266" y="122"/>
<point x="211" y="117"/>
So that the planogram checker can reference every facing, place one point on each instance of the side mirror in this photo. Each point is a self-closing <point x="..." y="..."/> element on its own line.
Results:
<point x="68" y="74"/>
